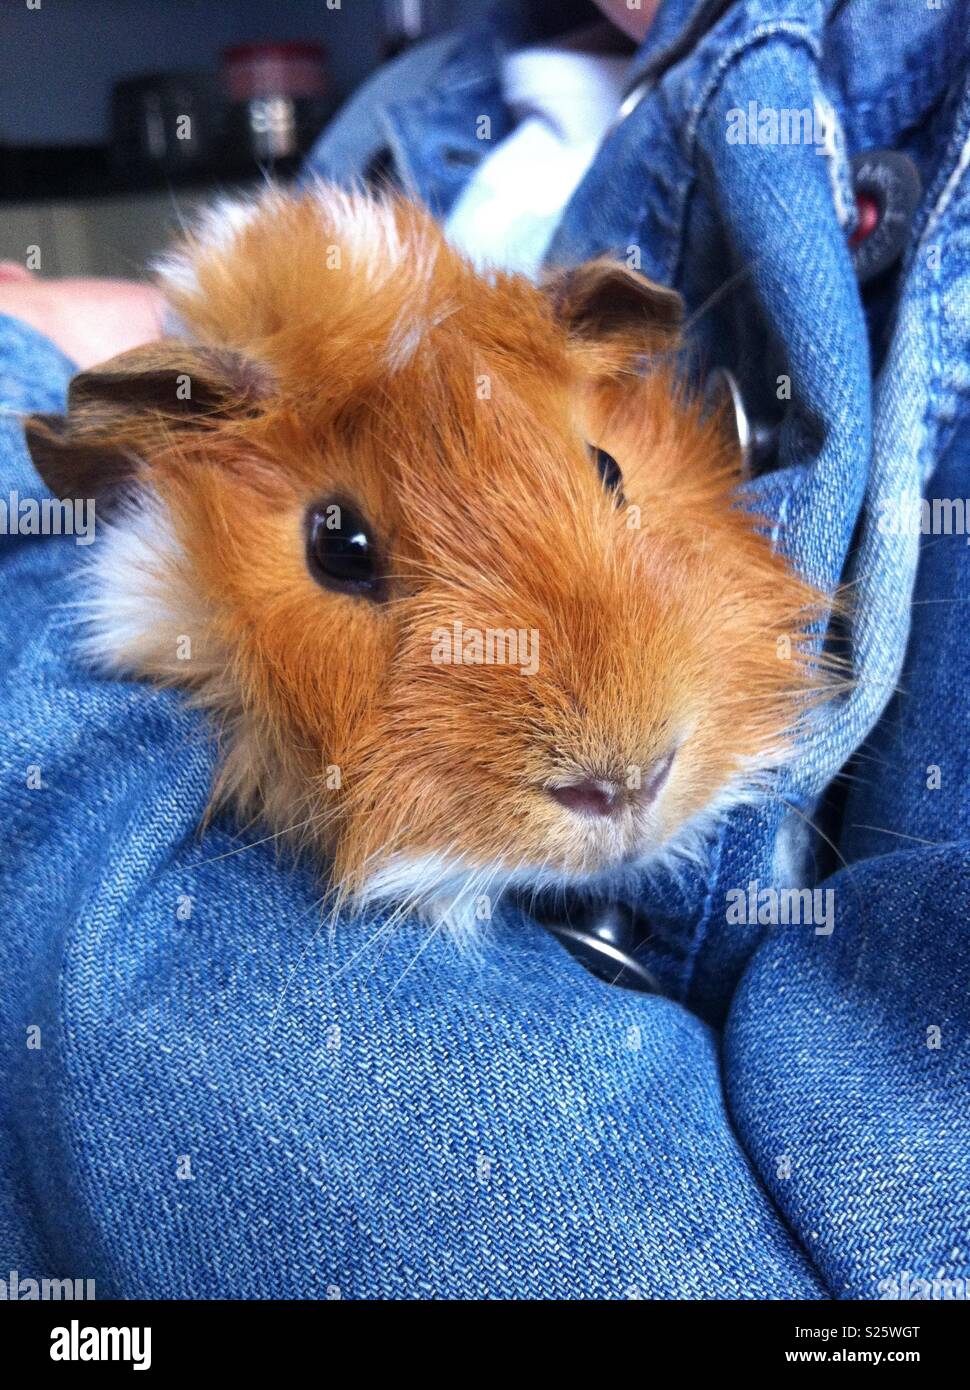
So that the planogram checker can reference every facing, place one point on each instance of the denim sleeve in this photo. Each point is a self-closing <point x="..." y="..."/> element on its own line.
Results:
<point x="847" y="1058"/>
<point x="358" y="133"/>
<point x="33" y="376"/>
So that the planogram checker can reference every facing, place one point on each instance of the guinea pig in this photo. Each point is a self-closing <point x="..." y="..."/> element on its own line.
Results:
<point x="451" y="558"/>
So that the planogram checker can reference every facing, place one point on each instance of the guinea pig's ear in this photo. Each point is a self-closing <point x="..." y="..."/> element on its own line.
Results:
<point x="117" y="412"/>
<point x="605" y="302"/>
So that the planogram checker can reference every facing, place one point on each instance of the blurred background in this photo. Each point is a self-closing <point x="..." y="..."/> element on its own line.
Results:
<point x="119" y="116"/>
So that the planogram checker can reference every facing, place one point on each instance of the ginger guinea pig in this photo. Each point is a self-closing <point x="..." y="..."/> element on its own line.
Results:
<point x="450" y="559"/>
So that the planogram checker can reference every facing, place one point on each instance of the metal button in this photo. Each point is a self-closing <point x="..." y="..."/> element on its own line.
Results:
<point x="891" y="182"/>
<point x="603" y="937"/>
<point x="756" y="442"/>
<point x="722" y="394"/>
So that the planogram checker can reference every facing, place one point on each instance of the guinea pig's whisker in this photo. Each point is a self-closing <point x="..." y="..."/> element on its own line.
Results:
<point x="854" y="779"/>
<point x="919" y="602"/>
<point x="901" y="835"/>
<point x="813" y="825"/>
<point x="265" y="839"/>
<point x="299" y="963"/>
<point x="387" y="934"/>
<point x="864" y="755"/>
<point x="254" y="844"/>
<point x="715" y="297"/>
<point x="417" y="956"/>
<point x="383" y="929"/>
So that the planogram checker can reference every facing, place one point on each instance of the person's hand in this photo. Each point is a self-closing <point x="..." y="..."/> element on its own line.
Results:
<point x="89" y="320"/>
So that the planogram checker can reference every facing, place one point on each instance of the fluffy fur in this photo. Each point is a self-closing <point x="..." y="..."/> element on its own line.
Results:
<point x="353" y="353"/>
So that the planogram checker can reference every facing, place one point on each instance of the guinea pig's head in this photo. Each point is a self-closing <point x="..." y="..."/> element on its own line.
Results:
<point x="456" y="566"/>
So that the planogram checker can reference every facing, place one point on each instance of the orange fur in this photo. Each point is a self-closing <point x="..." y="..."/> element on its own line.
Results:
<point x="489" y="511"/>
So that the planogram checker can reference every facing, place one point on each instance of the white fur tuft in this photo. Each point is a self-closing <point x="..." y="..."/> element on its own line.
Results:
<point x="132" y="604"/>
<point x="213" y="234"/>
<point x="366" y="230"/>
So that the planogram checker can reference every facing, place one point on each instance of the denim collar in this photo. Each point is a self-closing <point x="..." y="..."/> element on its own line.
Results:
<point x="439" y="138"/>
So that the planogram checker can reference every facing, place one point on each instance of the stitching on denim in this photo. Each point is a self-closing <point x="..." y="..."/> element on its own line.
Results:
<point x="802" y="38"/>
<point x="782" y="520"/>
<point x="935" y="326"/>
<point x="950" y="188"/>
<point x="796" y="33"/>
<point x="927" y="459"/>
<point x="836" y="161"/>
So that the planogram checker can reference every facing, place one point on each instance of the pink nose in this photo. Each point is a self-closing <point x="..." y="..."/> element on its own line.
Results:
<point x="588" y="797"/>
<point x="603" y="798"/>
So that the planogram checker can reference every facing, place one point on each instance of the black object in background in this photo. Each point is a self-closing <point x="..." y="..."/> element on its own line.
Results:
<point x="169" y="122"/>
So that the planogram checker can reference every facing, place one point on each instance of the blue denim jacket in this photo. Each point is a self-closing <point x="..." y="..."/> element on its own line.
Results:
<point x="227" y="1103"/>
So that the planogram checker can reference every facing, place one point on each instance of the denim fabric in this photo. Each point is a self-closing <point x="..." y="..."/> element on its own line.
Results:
<point x="909" y="785"/>
<point x="417" y="112"/>
<point x="846" y="1068"/>
<point x="229" y="1102"/>
<point x="831" y="1057"/>
<point x="33" y="376"/>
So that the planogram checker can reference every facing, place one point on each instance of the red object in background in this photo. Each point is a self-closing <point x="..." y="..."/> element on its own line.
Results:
<point x="275" y="69"/>
<point x="867" y="210"/>
<point x="278" y="98"/>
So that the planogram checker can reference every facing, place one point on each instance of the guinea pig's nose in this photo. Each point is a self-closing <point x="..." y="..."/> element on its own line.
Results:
<point x="589" y="797"/>
<point x="600" y="797"/>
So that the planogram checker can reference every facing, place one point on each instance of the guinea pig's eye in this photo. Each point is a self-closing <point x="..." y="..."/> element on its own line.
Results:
<point x="609" y="469"/>
<point x="340" y="549"/>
